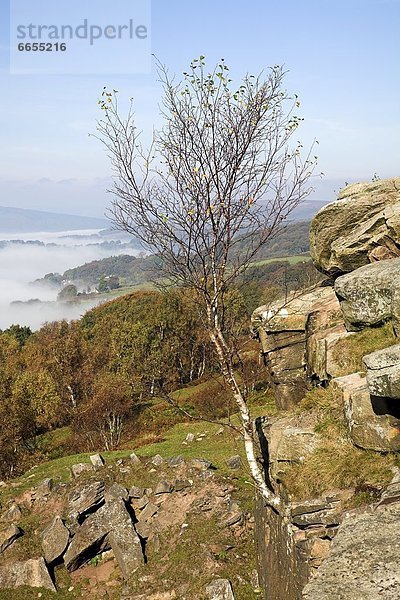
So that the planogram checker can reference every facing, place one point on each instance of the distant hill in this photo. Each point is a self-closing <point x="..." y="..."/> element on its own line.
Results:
<point x="21" y="220"/>
<point x="133" y="269"/>
<point x="130" y="270"/>
<point x="292" y="240"/>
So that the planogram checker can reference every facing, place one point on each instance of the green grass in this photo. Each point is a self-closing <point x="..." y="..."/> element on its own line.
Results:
<point x="336" y="463"/>
<point x="349" y="351"/>
<point x="215" y="448"/>
<point x="293" y="260"/>
<point x="188" y="393"/>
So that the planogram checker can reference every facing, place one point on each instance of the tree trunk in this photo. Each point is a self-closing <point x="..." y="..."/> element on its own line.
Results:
<point x="225" y="361"/>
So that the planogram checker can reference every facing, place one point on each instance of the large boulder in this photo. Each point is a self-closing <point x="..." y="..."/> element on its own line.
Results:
<point x="109" y="527"/>
<point x="282" y="329"/>
<point x="367" y="294"/>
<point x="363" y="563"/>
<point x="32" y="573"/>
<point x="383" y="372"/>
<point x="362" y="226"/>
<point x="369" y="428"/>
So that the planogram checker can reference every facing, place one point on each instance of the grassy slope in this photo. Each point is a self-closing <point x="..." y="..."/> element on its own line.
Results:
<point x="217" y="447"/>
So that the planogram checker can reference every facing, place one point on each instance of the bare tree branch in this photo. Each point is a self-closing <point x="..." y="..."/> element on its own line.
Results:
<point x="218" y="182"/>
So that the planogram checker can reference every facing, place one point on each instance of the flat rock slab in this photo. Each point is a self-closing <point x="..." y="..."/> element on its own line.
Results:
<point x="383" y="372"/>
<point x="110" y="527"/>
<point x="85" y="500"/>
<point x="55" y="540"/>
<point x="88" y="541"/>
<point x="123" y="538"/>
<point x="32" y="573"/>
<point x="363" y="563"/>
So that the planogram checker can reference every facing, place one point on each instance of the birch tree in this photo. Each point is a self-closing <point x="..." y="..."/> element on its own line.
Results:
<point x="220" y="178"/>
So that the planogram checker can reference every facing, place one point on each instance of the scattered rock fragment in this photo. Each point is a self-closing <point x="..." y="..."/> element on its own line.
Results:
<point x="13" y="513"/>
<point x="234" y="462"/>
<point x="220" y="589"/>
<point x="136" y="492"/>
<point x="8" y="536"/>
<point x="149" y="511"/>
<point x="143" y="530"/>
<point x="157" y="460"/>
<point x="140" y="503"/>
<point x="201" y="464"/>
<point x="45" y="487"/>
<point x="163" y="487"/>
<point x="182" y="484"/>
<point x="97" y="461"/>
<point x="80" y="468"/>
<point x="390" y="494"/>
<point x="176" y="461"/>
<point x="233" y="519"/>
<point x="135" y="459"/>
<point x="190" y="437"/>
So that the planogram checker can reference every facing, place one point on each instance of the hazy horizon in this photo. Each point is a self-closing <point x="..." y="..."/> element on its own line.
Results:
<point x="341" y="59"/>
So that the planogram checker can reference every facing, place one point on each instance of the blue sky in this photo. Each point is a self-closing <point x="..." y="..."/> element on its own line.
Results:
<point x="342" y="57"/>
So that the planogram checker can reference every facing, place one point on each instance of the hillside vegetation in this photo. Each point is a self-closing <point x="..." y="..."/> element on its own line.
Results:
<point x="106" y="377"/>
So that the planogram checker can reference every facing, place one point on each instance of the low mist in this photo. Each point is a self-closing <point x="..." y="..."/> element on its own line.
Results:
<point x="22" y="263"/>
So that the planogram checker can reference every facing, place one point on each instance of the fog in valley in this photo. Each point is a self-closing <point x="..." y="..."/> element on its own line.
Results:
<point x="24" y="261"/>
